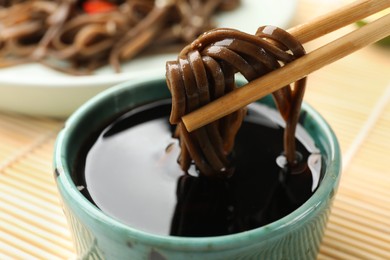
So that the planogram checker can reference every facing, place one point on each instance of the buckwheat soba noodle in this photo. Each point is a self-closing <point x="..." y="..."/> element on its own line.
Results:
<point x="205" y="70"/>
<point x="231" y="175"/>
<point x="78" y="37"/>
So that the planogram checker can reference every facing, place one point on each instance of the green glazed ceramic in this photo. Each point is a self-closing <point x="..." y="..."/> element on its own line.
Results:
<point x="98" y="236"/>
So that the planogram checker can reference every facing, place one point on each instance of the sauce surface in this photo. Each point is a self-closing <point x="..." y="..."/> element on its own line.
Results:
<point x="131" y="173"/>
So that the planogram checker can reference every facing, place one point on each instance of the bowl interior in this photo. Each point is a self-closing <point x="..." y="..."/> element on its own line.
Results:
<point x="93" y="116"/>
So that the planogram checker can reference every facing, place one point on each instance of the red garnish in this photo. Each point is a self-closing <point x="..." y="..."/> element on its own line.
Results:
<point x="98" y="6"/>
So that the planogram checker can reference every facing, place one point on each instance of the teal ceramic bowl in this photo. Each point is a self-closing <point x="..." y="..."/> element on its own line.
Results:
<point x="98" y="236"/>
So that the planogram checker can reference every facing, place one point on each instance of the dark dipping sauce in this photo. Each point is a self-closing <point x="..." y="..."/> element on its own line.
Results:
<point x="131" y="173"/>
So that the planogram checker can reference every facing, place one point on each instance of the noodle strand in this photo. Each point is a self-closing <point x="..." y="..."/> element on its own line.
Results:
<point x="207" y="67"/>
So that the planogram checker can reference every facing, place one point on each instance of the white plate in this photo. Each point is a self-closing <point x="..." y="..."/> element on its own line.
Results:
<point x="36" y="90"/>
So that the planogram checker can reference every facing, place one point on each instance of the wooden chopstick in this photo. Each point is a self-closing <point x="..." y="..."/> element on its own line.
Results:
<point x="305" y="65"/>
<point x="337" y="19"/>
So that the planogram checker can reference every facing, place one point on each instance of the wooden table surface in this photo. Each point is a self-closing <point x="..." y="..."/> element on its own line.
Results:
<point x="353" y="95"/>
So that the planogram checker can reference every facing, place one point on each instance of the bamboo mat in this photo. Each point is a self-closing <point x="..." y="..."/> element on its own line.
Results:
<point x="352" y="94"/>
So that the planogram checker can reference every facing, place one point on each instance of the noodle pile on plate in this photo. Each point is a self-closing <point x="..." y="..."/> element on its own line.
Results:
<point x="205" y="70"/>
<point x="78" y="37"/>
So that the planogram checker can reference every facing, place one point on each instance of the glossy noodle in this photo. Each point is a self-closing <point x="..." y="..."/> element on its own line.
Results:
<point x="205" y="70"/>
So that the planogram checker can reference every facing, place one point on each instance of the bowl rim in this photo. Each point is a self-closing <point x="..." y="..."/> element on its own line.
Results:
<point x="74" y="198"/>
